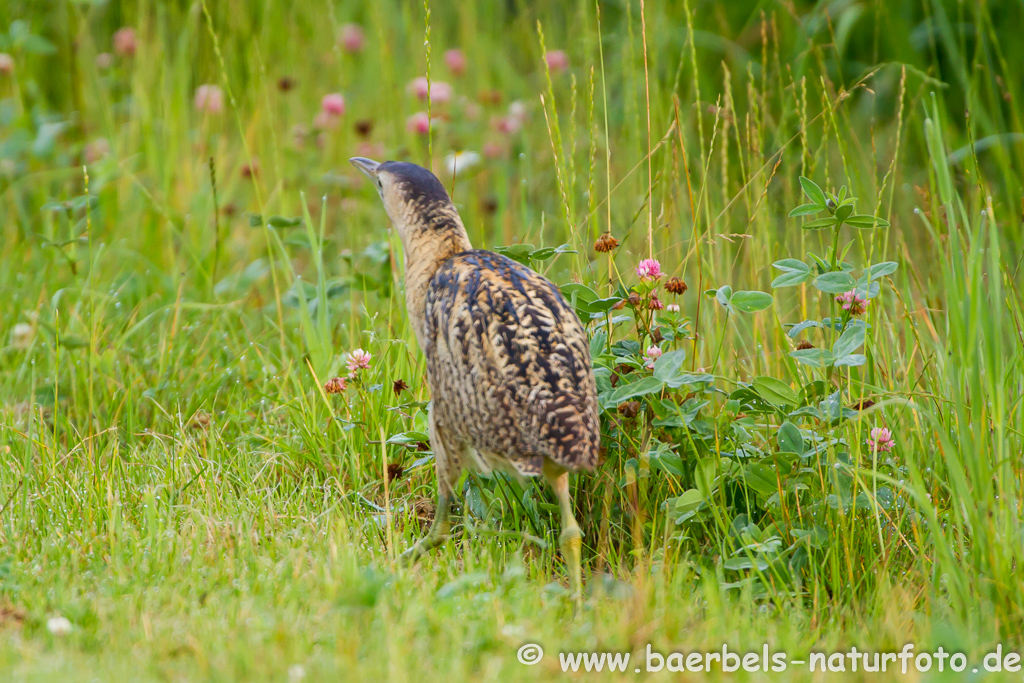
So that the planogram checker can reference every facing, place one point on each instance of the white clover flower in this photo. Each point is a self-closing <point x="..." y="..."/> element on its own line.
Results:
<point x="58" y="626"/>
<point x="21" y="336"/>
<point x="358" y="360"/>
<point x="460" y="162"/>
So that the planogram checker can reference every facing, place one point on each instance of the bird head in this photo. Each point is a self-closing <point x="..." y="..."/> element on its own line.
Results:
<point x="415" y="200"/>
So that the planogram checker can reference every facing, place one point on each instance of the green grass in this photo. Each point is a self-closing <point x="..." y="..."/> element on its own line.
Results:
<point x="178" y="486"/>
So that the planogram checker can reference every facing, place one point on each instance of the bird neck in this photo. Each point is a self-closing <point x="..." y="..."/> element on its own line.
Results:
<point x="427" y="245"/>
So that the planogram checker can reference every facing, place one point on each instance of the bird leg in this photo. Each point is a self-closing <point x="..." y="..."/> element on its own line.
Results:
<point x="448" y="470"/>
<point x="437" y="534"/>
<point x="571" y="538"/>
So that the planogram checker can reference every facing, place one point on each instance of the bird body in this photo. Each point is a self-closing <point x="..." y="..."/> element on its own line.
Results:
<point x="509" y="365"/>
<point x="508" y="361"/>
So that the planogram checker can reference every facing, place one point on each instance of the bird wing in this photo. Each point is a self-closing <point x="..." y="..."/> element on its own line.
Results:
<point x="509" y="362"/>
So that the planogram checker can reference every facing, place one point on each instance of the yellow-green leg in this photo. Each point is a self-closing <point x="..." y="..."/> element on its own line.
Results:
<point x="437" y="534"/>
<point x="571" y="538"/>
<point x="448" y="464"/>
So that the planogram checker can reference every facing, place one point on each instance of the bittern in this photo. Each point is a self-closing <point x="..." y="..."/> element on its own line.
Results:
<point x="508" y="361"/>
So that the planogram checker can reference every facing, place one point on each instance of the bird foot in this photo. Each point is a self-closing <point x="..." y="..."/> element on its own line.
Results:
<point x="435" y="537"/>
<point x="413" y="554"/>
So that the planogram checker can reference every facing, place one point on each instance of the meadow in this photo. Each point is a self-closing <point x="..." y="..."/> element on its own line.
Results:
<point x="792" y="229"/>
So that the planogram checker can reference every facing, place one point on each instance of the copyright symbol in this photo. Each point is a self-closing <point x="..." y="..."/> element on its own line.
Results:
<point x="530" y="654"/>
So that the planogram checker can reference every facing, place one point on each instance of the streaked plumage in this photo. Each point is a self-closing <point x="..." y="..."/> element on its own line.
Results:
<point x="508" y="361"/>
<point x="509" y="365"/>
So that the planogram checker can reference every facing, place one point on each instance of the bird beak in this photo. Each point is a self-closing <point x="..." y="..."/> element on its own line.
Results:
<point x="367" y="166"/>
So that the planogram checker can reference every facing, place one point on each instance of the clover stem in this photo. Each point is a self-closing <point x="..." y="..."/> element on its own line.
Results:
<point x="714" y="366"/>
<point x="832" y="299"/>
<point x="835" y="246"/>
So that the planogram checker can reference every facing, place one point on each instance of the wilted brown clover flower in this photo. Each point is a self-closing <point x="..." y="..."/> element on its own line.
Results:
<point x="395" y="470"/>
<point x="629" y="409"/>
<point x="676" y="286"/>
<point x="201" y="420"/>
<point x="364" y="127"/>
<point x="655" y="303"/>
<point x="605" y="243"/>
<point x="336" y="385"/>
<point x="399" y="386"/>
<point x="251" y="169"/>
